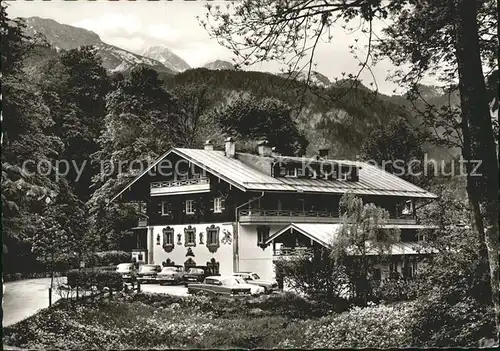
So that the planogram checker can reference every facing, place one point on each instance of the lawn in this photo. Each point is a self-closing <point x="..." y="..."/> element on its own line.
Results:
<point x="149" y="321"/>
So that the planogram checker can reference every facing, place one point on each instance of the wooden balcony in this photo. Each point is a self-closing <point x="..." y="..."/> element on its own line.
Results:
<point x="287" y="253"/>
<point x="259" y="216"/>
<point x="142" y="223"/>
<point x="285" y="216"/>
<point x="184" y="186"/>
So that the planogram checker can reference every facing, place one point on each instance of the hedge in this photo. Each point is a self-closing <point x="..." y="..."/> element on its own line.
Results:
<point x="98" y="279"/>
<point x="108" y="258"/>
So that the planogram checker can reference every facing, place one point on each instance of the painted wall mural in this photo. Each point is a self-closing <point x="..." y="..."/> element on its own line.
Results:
<point x="189" y="263"/>
<point x="213" y="266"/>
<point x="168" y="262"/>
<point x="212" y="245"/>
<point x="226" y="239"/>
<point x="190" y="252"/>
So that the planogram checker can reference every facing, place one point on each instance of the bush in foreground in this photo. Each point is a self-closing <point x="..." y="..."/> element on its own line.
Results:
<point x="160" y="321"/>
<point x="369" y="327"/>
<point x="284" y="304"/>
<point x="145" y="321"/>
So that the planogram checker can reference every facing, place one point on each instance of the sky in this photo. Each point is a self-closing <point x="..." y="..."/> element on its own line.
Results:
<point x="136" y="25"/>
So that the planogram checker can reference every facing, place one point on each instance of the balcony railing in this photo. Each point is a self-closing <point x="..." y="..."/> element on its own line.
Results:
<point x="190" y="185"/>
<point x="255" y="216"/>
<point x="288" y="252"/>
<point x="260" y="216"/>
<point x="142" y="223"/>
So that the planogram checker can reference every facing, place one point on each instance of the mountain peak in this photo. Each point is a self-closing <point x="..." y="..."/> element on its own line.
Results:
<point x="219" y="65"/>
<point x="167" y="57"/>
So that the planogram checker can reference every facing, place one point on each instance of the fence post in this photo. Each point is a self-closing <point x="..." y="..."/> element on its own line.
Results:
<point x="138" y="286"/>
<point x="50" y="297"/>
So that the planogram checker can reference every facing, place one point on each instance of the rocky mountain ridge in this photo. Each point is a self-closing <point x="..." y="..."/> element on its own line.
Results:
<point x="65" y="37"/>
<point x="219" y="64"/>
<point x="341" y="124"/>
<point x="167" y="57"/>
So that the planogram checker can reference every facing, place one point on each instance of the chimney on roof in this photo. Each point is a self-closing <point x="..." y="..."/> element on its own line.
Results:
<point x="263" y="148"/>
<point x="230" y="147"/>
<point x="209" y="146"/>
<point x="275" y="152"/>
<point x="323" y="152"/>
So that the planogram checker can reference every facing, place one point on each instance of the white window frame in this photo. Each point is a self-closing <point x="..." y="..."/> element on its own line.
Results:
<point x="164" y="208"/>
<point x="190" y="207"/>
<point x="300" y="172"/>
<point x="343" y="175"/>
<point x="169" y="239"/>
<point x="294" y="175"/>
<point x="218" y="205"/>
<point x="407" y="208"/>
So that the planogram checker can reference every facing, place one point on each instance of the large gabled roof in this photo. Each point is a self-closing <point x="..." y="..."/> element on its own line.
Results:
<point x="248" y="177"/>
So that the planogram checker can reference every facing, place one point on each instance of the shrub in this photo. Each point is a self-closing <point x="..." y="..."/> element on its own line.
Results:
<point x="317" y="276"/>
<point x="285" y="304"/>
<point x="439" y="322"/>
<point x="394" y="290"/>
<point x="378" y="327"/>
<point x="101" y="280"/>
<point x="108" y="258"/>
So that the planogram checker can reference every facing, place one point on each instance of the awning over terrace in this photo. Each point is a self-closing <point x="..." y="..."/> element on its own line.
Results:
<point x="325" y="235"/>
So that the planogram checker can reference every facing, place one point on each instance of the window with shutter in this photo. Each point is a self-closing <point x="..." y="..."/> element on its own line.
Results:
<point x="189" y="207"/>
<point x="218" y="205"/>
<point x="165" y="208"/>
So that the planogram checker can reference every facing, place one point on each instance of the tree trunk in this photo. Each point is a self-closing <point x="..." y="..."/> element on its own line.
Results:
<point x="51" y="280"/>
<point x="477" y="123"/>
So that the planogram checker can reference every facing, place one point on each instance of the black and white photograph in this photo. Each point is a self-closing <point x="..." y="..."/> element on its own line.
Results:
<point x="250" y="174"/>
